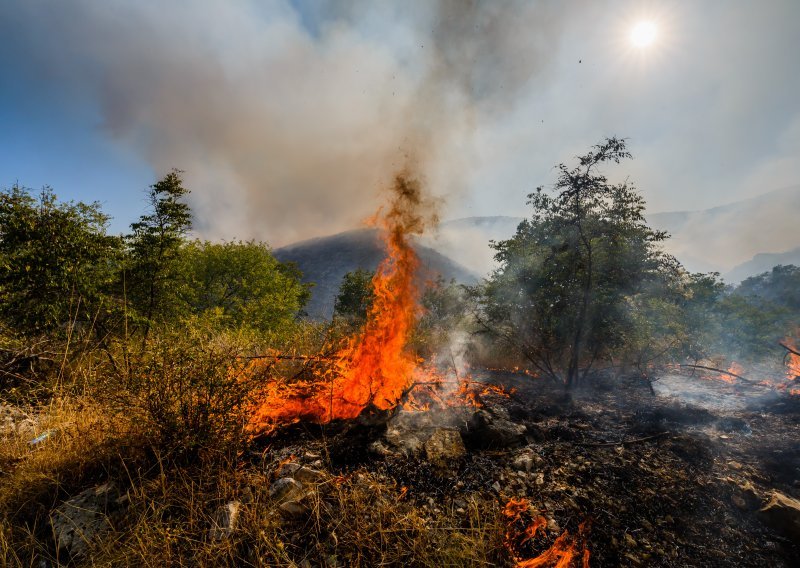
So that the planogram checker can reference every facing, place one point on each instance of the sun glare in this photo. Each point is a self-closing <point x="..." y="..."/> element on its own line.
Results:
<point x="643" y="34"/>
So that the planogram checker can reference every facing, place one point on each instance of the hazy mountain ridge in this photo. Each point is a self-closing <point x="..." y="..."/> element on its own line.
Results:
<point x="325" y="260"/>
<point x="737" y="239"/>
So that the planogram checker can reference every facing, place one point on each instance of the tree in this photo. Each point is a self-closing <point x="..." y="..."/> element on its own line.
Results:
<point x="243" y="283"/>
<point x="151" y="280"/>
<point x="562" y="292"/>
<point x="761" y="311"/>
<point x="56" y="261"/>
<point x="355" y="296"/>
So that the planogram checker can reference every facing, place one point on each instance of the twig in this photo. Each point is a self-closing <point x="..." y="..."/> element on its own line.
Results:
<point x="624" y="442"/>
<point x="789" y="349"/>
<point x="721" y="372"/>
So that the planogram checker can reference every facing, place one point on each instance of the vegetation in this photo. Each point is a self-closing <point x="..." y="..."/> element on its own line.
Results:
<point x="139" y="359"/>
<point x="355" y="296"/>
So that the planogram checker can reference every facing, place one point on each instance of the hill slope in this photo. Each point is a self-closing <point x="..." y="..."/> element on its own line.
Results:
<point x="324" y="261"/>
<point x="731" y="239"/>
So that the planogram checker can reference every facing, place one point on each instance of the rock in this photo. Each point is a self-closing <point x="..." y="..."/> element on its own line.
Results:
<point x="486" y="430"/>
<point x="14" y="420"/>
<point x="523" y="462"/>
<point x="782" y="513"/>
<point x="301" y="473"/>
<point x="286" y="489"/>
<point x="224" y="521"/>
<point x="292" y="509"/>
<point x="404" y="441"/>
<point x="444" y="446"/>
<point x="80" y="519"/>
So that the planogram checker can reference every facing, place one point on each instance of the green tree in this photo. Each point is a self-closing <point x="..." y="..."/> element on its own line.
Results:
<point x="759" y="312"/>
<point x="56" y="261"/>
<point x="561" y="294"/>
<point x="154" y="249"/>
<point x="243" y="283"/>
<point x="355" y="296"/>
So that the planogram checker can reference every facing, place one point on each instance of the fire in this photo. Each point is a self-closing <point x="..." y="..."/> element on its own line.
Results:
<point x="792" y="361"/>
<point x="566" y="551"/>
<point x="734" y="370"/>
<point x="374" y="369"/>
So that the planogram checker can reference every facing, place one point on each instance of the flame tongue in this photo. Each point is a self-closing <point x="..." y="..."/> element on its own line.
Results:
<point x="374" y="369"/>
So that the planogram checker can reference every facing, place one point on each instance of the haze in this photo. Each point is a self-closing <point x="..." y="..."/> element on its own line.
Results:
<point x="288" y="118"/>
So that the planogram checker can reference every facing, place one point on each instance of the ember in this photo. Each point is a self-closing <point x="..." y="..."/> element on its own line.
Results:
<point x="522" y="527"/>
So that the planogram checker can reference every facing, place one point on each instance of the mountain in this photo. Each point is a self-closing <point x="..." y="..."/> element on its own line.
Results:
<point x="732" y="239"/>
<point x="324" y="261"/>
<point x="762" y="263"/>
<point x="723" y="238"/>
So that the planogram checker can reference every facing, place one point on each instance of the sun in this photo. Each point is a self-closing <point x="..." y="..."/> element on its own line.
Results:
<point x="643" y="34"/>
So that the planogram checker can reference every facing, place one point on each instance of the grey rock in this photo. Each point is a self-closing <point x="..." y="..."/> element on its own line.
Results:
<point x="80" y="519"/>
<point x="301" y="473"/>
<point x="286" y="489"/>
<point x="293" y="509"/>
<point x="490" y="430"/>
<point x="443" y="446"/>
<point x="224" y="521"/>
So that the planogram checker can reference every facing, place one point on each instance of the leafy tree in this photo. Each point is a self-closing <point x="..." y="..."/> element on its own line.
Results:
<point x="154" y="248"/>
<point x="56" y="261"/>
<point x="759" y="312"/>
<point x="243" y="282"/>
<point x="562" y="294"/>
<point x="355" y="296"/>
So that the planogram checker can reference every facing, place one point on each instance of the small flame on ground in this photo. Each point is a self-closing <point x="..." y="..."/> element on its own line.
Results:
<point x="792" y="361"/>
<point x="565" y="552"/>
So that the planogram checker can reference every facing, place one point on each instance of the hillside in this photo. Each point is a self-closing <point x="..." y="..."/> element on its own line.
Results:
<point x="324" y="261"/>
<point x="739" y="239"/>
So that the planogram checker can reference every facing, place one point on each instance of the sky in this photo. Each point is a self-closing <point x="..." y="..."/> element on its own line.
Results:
<point x="289" y="119"/>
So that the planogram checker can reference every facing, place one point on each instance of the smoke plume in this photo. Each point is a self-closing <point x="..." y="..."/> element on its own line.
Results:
<point x="287" y="120"/>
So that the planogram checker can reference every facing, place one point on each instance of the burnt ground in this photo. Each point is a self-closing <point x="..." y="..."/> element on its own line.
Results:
<point x="662" y="482"/>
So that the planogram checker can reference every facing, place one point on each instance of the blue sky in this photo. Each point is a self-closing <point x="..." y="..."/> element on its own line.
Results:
<point x="288" y="118"/>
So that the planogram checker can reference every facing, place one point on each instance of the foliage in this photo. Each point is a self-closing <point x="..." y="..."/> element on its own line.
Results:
<point x="154" y="249"/>
<point x="566" y="278"/>
<point x="761" y="311"/>
<point x="185" y="385"/>
<point x="243" y="282"/>
<point x="445" y="315"/>
<point x="355" y="296"/>
<point x="56" y="261"/>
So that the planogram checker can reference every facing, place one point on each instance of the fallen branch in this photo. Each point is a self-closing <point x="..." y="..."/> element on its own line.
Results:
<point x="290" y="357"/>
<point x="749" y="381"/>
<point x="789" y="349"/>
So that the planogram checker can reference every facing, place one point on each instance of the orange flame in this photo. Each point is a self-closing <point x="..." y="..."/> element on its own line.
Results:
<point x="374" y="369"/>
<point x="792" y="361"/>
<point x="565" y="551"/>
<point x="734" y="369"/>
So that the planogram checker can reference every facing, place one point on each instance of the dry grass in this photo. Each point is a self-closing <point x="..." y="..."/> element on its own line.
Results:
<point x="106" y="422"/>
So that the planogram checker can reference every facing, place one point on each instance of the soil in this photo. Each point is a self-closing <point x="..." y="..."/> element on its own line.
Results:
<point x="662" y="480"/>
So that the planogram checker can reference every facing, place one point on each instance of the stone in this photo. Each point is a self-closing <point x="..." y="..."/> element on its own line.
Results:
<point x="301" y="473"/>
<point x="405" y="441"/>
<point x="224" y="521"/>
<point x="80" y="519"/>
<point x="14" y="420"/>
<point x="292" y="509"/>
<point x="286" y="489"/>
<point x="523" y="462"/>
<point x="782" y="513"/>
<point x="444" y="446"/>
<point x="490" y="431"/>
